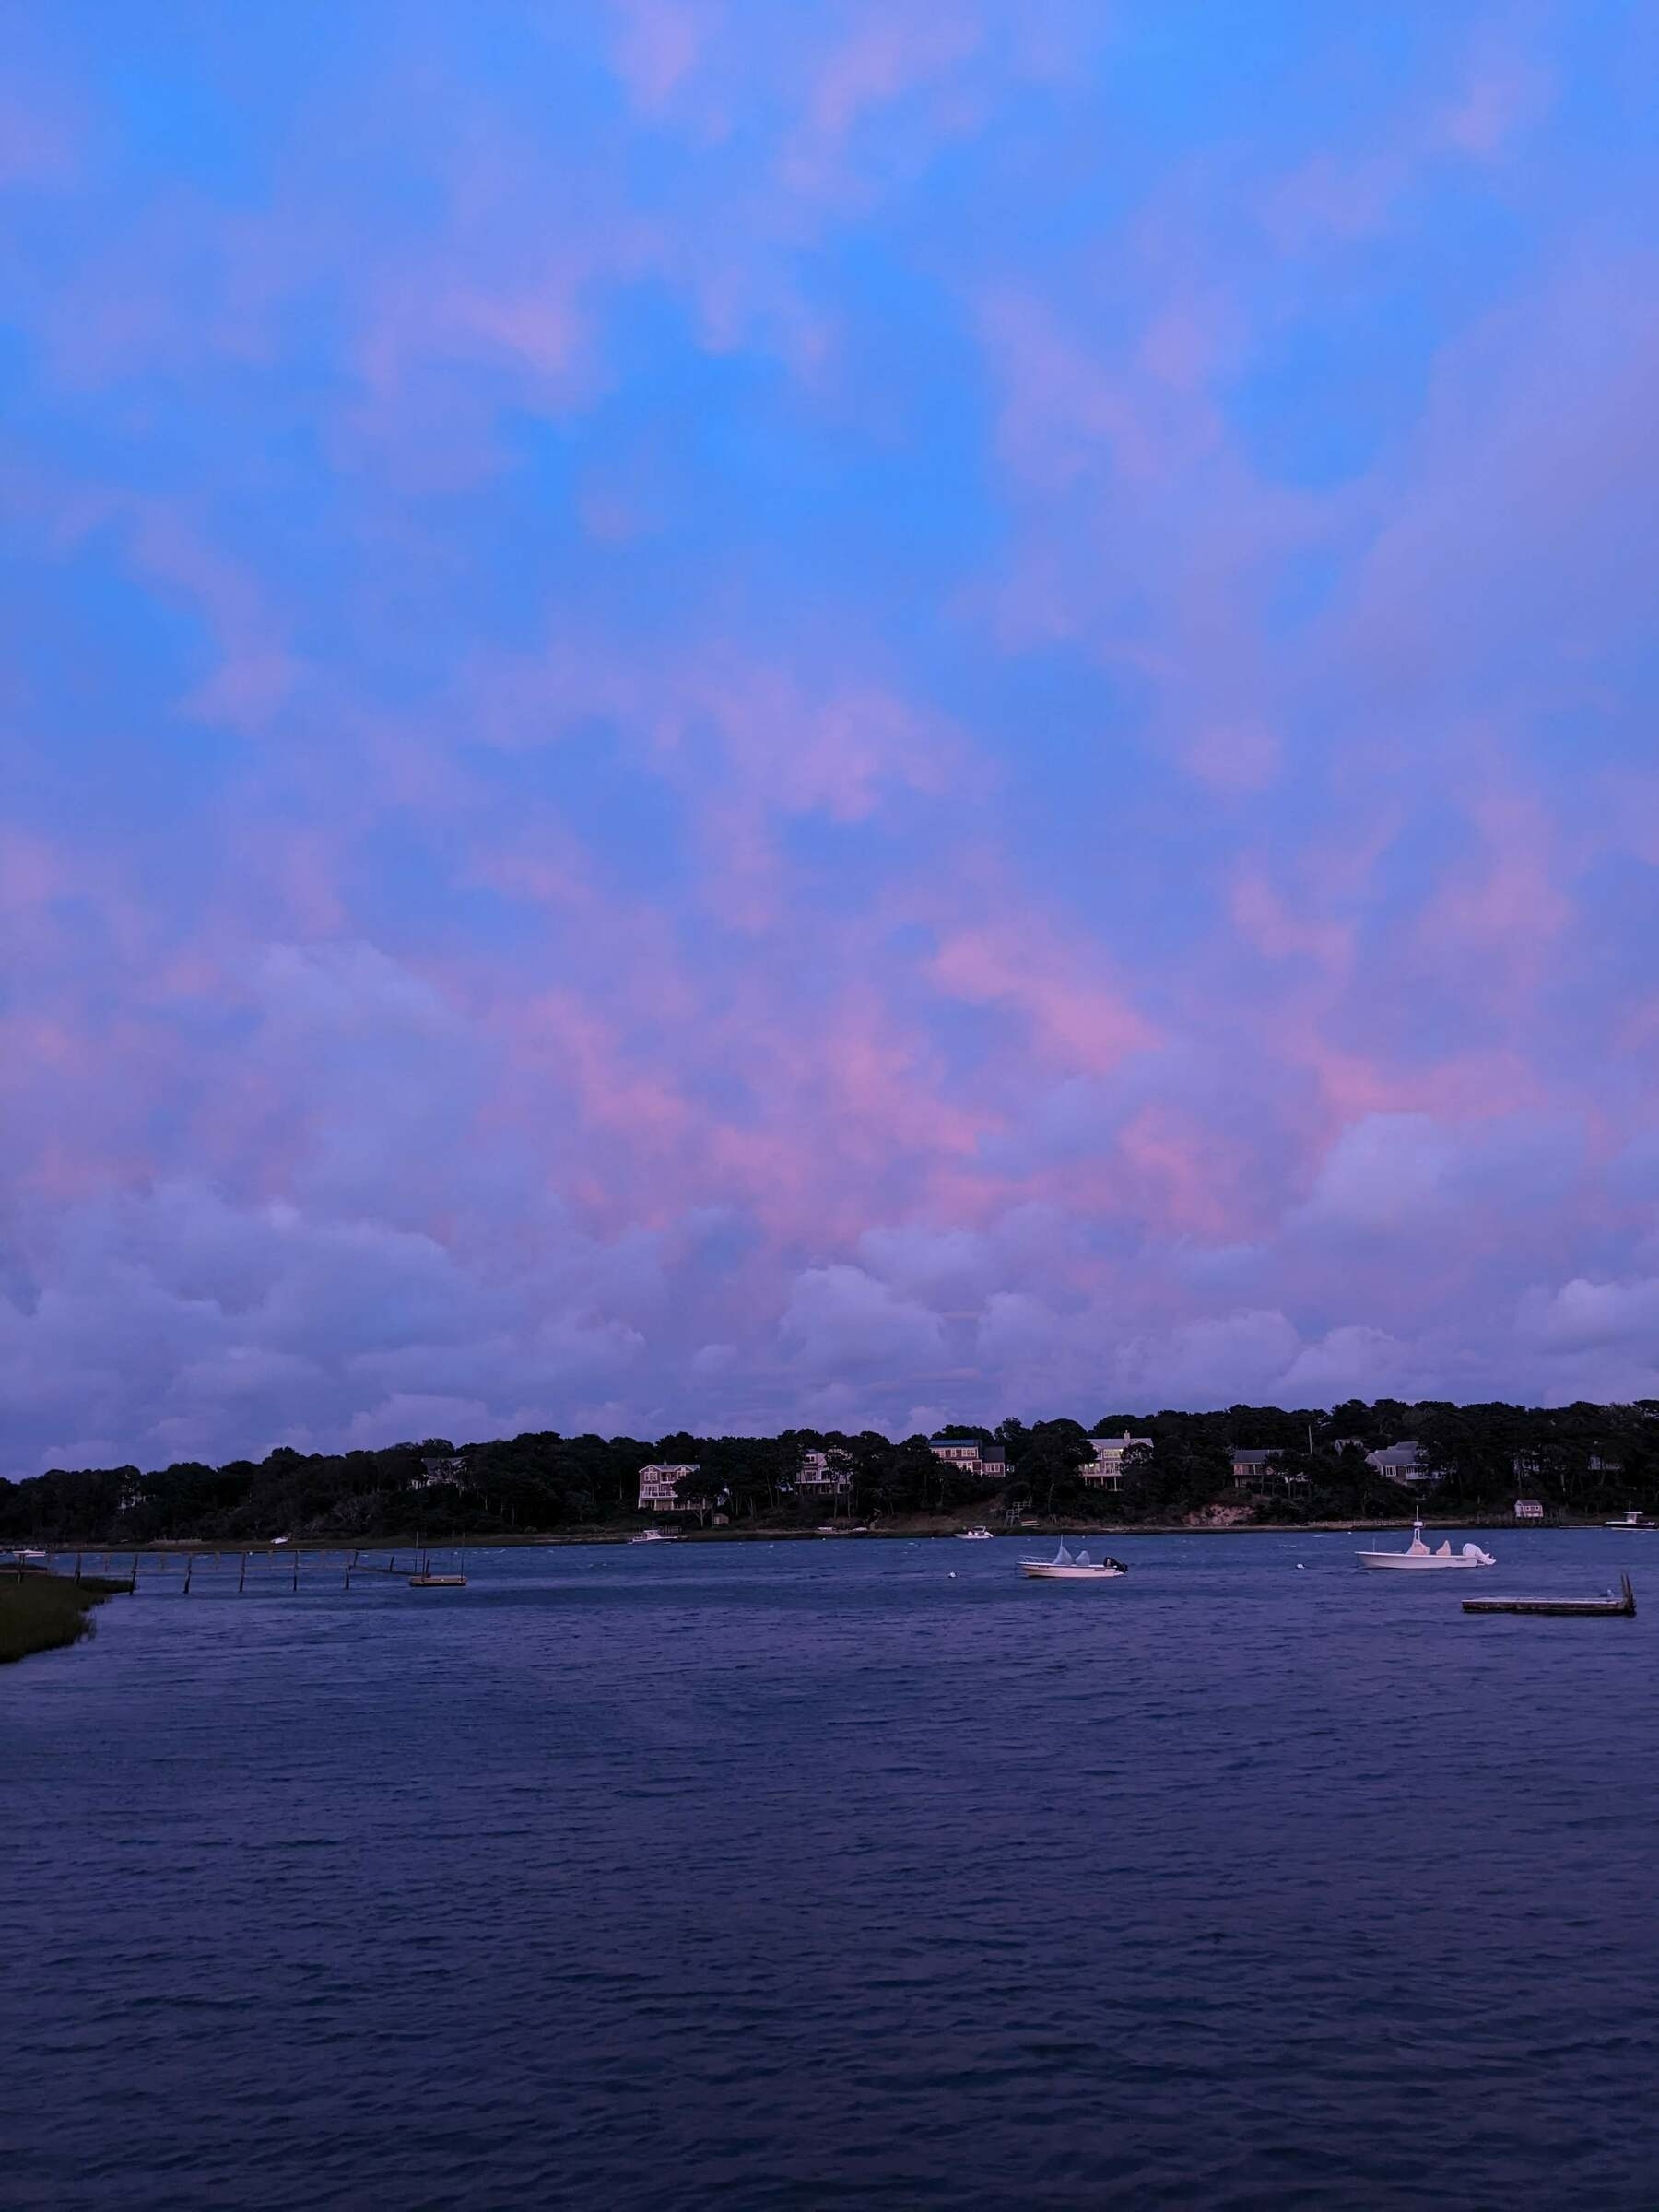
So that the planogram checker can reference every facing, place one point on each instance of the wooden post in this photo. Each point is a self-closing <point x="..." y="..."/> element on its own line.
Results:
<point x="77" y="1566"/>
<point x="295" y="1571"/>
<point x="241" y="1580"/>
<point x="189" y="1563"/>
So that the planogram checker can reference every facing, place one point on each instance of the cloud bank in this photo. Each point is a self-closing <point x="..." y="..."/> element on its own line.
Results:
<point x="720" y="715"/>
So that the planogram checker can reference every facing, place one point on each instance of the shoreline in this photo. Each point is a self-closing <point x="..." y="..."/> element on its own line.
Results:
<point x="910" y="1533"/>
<point x="43" y="1613"/>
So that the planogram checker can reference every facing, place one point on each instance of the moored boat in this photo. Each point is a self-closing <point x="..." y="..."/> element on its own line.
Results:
<point x="1417" y="1559"/>
<point x="1073" y="1567"/>
<point x="1631" y="1519"/>
<point x="972" y="1536"/>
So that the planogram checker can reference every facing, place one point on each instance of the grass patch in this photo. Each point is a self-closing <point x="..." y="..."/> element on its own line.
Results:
<point x="43" y="1612"/>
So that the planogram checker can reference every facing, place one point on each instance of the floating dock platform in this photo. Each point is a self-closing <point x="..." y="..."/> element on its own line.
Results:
<point x="1620" y="1608"/>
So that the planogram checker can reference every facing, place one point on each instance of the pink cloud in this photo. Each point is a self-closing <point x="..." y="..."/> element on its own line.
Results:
<point x="1238" y="757"/>
<point x="657" y="46"/>
<point x="1075" y="1022"/>
<point x="41" y="143"/>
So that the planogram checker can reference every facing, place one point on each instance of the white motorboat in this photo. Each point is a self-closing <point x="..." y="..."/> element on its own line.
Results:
<point x="654" y="1535"/>
<point x="1072" y="1567"/>
<point x="1630" y="1521"/>
<point x="972" y="1536"/>
<point x="1417" y="1559"/>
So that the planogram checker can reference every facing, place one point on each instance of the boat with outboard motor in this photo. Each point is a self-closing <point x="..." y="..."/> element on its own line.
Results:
<point x="1417" y="1559"/>
<point x="1073" y="1567"/>
<point x="972" y="1536"/>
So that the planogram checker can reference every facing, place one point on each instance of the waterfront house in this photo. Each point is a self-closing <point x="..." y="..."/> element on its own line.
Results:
<point x="450" y="1470"/>
<point x="1107" y="1471"/>
<point x="1253" y="1469"/>
<point x="984" y="1461"/>
<point x="824" y="1471"/>
<point x="659" y="1491"/>
<point x="1402" y="1463"/>
<point x="1529" y="1508"/>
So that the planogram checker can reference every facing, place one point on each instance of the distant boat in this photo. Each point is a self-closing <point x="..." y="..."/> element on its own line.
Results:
<point x="654" y="1535"/>
<point x="1072" y="1567"/>
<point x="972" y="1536"/>
<point x="1417" y="1559"/>
<point x="1630" y="1521"/>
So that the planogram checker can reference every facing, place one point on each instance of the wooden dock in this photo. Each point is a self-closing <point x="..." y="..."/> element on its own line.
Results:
<point x="259" y="1566"/>
<point x="1621" y="1608"/>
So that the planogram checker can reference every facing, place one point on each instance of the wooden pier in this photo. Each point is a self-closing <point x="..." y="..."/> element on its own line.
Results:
<point x="266" y="1566"/>
<point x="1621" y="1608"/>
<point x="261" y="1566"/>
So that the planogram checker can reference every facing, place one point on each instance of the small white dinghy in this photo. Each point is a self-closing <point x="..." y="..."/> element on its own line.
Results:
<point x="1072" y="1567"/>
<point x="972" y="1536"/>
<point x="1417" y="1559"/>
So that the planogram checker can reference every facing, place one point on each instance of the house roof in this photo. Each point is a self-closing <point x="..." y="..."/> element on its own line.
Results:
<point x="952" y="1438"/>
<point x="1396" y="1455"/>
<point x="1255" y="1458"/>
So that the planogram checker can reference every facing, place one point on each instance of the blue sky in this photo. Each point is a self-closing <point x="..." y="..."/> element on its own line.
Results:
<point x="860" y="713"/>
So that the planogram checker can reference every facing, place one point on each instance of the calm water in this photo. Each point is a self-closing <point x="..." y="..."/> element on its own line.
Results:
<point x="841" y="1873"/>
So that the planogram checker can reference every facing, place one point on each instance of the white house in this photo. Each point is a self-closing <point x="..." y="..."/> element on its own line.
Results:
<point x="1529" y="1508"/>
<point x="824" y="1471"/>
<point x="1401" y="1462"/>
<point x="450" y="1470"/>
<point x="1107" y="1473"/>
<point x="657" y="1487"/>
<point x="982" y="1460"/>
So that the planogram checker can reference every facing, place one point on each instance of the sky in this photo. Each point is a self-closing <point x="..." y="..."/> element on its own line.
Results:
<point x="721" y="715"/>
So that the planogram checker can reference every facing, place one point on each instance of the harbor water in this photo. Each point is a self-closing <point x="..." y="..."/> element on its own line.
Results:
<point x="841" y="1873"/>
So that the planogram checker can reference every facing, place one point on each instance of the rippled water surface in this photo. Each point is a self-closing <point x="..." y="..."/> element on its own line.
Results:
<point x="841" y="1873"/>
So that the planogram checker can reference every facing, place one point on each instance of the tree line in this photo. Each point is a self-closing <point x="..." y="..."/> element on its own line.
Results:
<point x="1579" y="1458"/>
